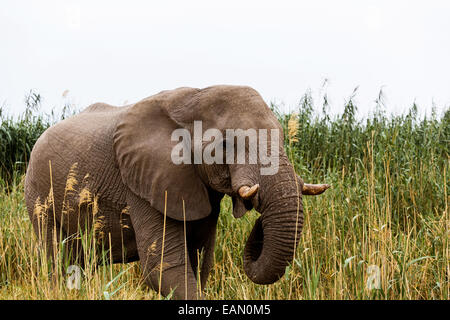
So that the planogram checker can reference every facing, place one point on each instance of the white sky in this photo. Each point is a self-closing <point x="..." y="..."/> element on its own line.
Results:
<point x="123" y="51"/>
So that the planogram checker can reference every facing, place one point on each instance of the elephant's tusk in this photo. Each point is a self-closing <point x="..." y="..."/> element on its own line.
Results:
<point x="247" y="193"/>
<point x="314" y="189"/>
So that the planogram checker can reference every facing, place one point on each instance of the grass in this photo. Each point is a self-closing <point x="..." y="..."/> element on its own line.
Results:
<point x="380" y="232"/>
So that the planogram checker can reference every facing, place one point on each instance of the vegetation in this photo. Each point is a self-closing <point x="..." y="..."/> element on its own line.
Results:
<point x="18" y="136"/>
<point x="380" y="232"/>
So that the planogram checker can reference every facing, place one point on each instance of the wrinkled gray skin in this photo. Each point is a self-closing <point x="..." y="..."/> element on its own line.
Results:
<point x="122" y="155"/>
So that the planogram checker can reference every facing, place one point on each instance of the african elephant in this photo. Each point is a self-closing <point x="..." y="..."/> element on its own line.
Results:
<point x="120" y="157"/>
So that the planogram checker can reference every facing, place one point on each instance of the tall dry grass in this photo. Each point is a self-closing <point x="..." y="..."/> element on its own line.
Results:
<point x="380" y="232"/>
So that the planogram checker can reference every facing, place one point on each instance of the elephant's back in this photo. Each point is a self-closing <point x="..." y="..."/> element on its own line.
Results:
<point x="77" y="138"/>
<point x="80" y="148"/>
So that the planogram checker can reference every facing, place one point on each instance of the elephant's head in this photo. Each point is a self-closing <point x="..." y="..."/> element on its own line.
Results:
<point x="144" y="147"/>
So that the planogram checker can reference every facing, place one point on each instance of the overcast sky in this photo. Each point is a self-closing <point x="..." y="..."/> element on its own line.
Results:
<point x="123" y="51"/>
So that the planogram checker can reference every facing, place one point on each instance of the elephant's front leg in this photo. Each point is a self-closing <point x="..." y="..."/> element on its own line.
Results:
<point x="177" y="273"/>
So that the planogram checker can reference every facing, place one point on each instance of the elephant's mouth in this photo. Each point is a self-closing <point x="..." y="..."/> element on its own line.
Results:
<point x="248" y="205"/>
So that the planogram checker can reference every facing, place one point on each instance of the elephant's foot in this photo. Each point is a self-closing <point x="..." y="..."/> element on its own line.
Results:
<point x="178" y="282"/>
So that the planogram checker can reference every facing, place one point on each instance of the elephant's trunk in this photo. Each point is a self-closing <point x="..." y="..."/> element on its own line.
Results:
<point x="272" y="242"/>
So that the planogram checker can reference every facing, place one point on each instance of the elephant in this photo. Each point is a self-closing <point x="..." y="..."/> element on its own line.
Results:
<point x="157" y="212"/>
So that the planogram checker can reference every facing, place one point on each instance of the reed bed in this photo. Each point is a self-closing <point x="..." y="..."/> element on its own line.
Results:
<point x="380" y="232"/>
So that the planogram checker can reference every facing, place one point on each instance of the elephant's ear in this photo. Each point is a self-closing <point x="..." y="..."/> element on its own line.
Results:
<point x="143" y="146"/>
